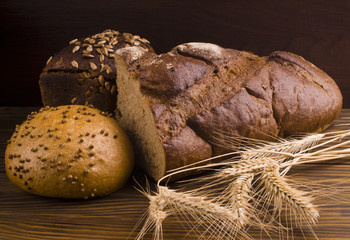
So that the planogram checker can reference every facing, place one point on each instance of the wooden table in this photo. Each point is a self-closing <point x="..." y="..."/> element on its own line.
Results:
<point x="25" y="216"/>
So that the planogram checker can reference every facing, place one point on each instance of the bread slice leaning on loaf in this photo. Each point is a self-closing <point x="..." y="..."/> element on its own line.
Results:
<point x="174" y="104"/>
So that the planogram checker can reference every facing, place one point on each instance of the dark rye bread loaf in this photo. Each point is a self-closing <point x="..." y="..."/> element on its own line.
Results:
<point x="173" y="104"/>
<point x="84" y="72"/>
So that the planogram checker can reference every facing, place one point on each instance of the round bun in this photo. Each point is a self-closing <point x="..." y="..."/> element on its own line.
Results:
<point x="69" y="152"/>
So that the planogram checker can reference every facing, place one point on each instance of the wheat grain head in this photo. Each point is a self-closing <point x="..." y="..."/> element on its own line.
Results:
<point x="282" y="192"/>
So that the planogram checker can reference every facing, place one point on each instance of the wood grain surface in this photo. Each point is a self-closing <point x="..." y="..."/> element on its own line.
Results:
<point x="26" y="216"/>
<point x="33" y="30"/>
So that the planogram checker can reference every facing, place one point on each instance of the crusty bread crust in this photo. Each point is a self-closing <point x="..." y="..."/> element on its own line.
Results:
<point x="199" y="89"/>
<point x="84" y="72"/>
<point x="69" y="152"/>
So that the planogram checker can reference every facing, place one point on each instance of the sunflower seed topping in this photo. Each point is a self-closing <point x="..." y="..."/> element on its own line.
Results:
<point x="74" y="100"/>
<point x="144" y="40"/>
<point x="108" y="69"/>
<point x="101" y="80"/>
<point x="93" y="66"/>
<point x="89" y="48"/>
<point x="48" y="60"/>
<point x="88" y="55"/>
<point x="86" y="52"/>
<point x="108" y="86"/>
<point x="75" y="49"/>
<point x="86" y="74"/>
<point x="102" y="58"/>
<point x="103" y="67"/>
<point x="73" y="41"/>
<point x="104" y="51"/>
<point x="75" y="64"/>
<point x="98" y="46"/>
<point x="113" y="89"/>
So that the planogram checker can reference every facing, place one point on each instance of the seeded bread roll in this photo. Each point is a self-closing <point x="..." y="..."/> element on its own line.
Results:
<point x="69" y="152"/>
<point x="84" y="72"/>
<point x="173" y="105"/>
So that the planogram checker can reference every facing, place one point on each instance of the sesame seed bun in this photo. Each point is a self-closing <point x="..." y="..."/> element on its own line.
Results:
<point x="69" y="152"/>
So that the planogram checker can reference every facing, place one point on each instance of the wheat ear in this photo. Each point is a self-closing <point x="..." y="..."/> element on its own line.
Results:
<point x="195" y="204"/>
<point x="276" y="190"/>
<point x="155" y="215"/>
<point x="281" y="191"/>
<point x="282" y="149"/>
<point x="239" y="192"/>
<point x="251" y="166"/>
<point x="218" y="216"/>
<point x="239" y="197"/>
<point x="217" y="220"/>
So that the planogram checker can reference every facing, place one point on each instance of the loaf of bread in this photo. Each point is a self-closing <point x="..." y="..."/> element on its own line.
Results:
<point x="173" y="104"/>
<point x="84" y="72"/>
<point x="69" y="152"/>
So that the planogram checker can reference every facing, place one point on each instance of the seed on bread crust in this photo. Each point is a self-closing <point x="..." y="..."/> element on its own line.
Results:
<point x="93" y="66"/>
<point x="108" y="85"/>
<point x="49" y="60"/>
<point x="88" y="55"/>
<point x="101" y="58"/>
<point x="74" y="100"/>
<point x="73" y="41"/>
<point x="108" y="69"/>
<point x="113" y="89"/>
<point x="75" y="49"/>
<point x="89" y="48"/>
<point x="101" y="80"/>
<point x="96" y="53"/>
<point x="75" y="64"/>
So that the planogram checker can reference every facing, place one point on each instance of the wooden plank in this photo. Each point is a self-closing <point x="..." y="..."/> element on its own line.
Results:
<point x="26" y="216"/>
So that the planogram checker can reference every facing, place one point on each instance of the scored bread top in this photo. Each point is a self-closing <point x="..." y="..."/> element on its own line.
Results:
<point x="205" y="89"/>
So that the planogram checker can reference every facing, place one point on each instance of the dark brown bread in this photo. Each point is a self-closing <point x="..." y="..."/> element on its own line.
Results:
<point x="69" y="152"/>
<point x="174" y="104"/>
<point x="84" y="72"/>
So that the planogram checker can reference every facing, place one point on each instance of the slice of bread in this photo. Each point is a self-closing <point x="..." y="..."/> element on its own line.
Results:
<point x="136" y="117"/>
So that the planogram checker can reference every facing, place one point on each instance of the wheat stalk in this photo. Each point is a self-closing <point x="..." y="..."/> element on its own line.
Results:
<point x="215" y="218"/>
<point x="241" y="194"/>
<point x="281" y="191"/>
<point x="239" y="197"/>
<point x="155" y="215"/>
<point x="272" y="181"/>
<point x="283" y="148"/>
<point x="242" y="167"/>
<point x="255" y="148"/>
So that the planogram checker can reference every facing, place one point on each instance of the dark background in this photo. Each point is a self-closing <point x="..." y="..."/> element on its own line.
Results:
<point x="33" y="30"/>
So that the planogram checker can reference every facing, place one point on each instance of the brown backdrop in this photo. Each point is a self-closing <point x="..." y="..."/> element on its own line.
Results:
<point x="33" y="30"/>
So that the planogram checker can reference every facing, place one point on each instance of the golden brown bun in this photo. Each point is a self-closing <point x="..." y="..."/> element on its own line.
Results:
<point x="69" y="152"/>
